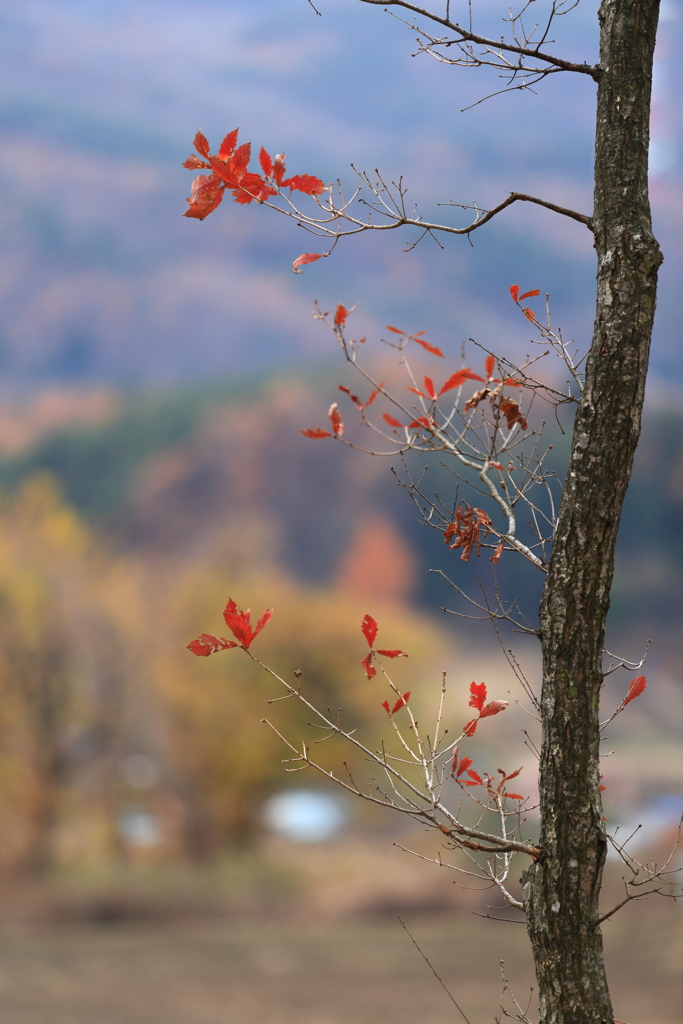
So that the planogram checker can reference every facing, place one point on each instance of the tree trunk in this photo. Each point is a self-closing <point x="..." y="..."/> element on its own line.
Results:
<point x="562" y="890"/>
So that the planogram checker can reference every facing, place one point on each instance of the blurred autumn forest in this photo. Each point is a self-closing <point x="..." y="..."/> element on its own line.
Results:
<point x="127" y="521"/>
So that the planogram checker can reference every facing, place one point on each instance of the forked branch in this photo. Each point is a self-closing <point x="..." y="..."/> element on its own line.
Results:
<point x="494" y="48"/>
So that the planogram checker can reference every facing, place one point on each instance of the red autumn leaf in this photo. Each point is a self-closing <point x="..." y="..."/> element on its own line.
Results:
<point x="201" y="144"/>
<point x="263" y="621"/>
<point x="306" y="183"/>
<point x="340" y="315"/>
<point x="239" y="623"/>
<point x="306" y="257"/>
<point x="425" y="344"/>
<point x="279" y="168"/>
<point x="514" y="292"/>
<point x="193" y="163"/>
<point x="458" y="766"/>
<point x="513" y="775"/>
<point x="374" y="394"/>
<point x="490" y="365"/>
<point x="251" y="187"/>
<point x="369" y="629"/>
<point x="512" y="413"/>
<point x="478" y="695"/>
<point x="511" y="382"/>
<point x="635" y="688"/>
<point x="459" y="378"/>
<point x="496" y="465"/>
<point x="429" y="388"/>
<point x="515" y="796"/>
<point x="495" y="557"/>
<point x="335" y="420"/>
<point x="476" y="778"/>
<point x="266" y="162"/>
<point x="316" y="432"/>
<point x="390" y="420"/>
<point x="239" y="160"/>
<point x="529" y="313"/>
<point x="476" y="398"/>
<point x="423" y="421"/>
<point x="394" y="329"/>
<point x="393" y="654"/>
<point x="493" y="708"/>
<point x="401" y="702"/>
<point x="387" y="707"/>
<point x="202" y="646"/>
<point x="354" y="398"/>
<point x="461" y="768"/>
<point x="416" y="391"/>
<point x="471" y="727"/>
<point x="370" y="669"/>
<point x="227" y="147"/>
<point x="529" y="295"/>
<point x="206" y="194"/>
<point x="207" y="643"/>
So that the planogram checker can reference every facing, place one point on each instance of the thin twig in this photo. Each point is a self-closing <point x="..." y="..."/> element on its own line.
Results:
<point x="431" y="967"/>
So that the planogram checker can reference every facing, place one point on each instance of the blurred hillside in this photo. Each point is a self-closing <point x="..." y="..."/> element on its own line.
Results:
<point x="168" y="474"/>
<point x="103" y="279"/>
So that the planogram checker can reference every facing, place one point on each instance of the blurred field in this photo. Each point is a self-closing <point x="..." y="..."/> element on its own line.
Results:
<point x="361" y="970"/>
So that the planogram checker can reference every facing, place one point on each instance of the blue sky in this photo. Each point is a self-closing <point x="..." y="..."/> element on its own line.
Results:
<point x="104" y="280"/>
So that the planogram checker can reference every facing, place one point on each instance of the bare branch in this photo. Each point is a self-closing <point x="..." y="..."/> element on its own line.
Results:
<point x="336" y="213"/>
<point x="651" y="874"/>
<point x="495" y="45"/>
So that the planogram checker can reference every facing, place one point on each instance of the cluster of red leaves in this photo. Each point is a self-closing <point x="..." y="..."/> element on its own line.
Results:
<point x="517" y="298"/>
<point x="461" y="766"/>
<point x="478" y="701"/>
<point x="400" y="703"/>
<point x="457" y="379"/>
<point x="369" y="630"/>
<point x="335" y="420"/>
<point x="239" y="624"/>
<point x="230" y="170"/>
<point x="509" y="408"/>
<point x="466" y="528"/>
<point x="454" y="381"/>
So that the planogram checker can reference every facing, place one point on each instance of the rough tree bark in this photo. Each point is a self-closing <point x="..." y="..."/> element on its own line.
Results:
<point x="562" y="889"/>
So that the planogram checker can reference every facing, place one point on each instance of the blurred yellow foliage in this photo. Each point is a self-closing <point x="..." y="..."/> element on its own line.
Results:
<point x="115" y="741"/>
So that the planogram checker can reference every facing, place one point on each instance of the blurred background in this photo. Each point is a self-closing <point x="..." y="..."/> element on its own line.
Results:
<point x="157" y="862"/>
